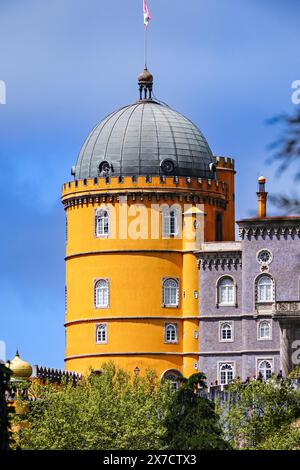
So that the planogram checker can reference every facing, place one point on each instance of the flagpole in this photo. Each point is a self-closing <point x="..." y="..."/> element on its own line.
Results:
<point x="146" y="45"/>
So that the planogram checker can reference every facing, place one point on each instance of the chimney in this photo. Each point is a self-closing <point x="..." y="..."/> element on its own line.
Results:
<point x="262" y="197"/>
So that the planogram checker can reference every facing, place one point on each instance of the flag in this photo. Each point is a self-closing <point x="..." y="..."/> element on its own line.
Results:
<point x="147" y="16"/>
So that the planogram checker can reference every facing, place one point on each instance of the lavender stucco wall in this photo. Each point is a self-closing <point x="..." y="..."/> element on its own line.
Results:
<point x="285" y="267"/>
<point x="246" y="349"/>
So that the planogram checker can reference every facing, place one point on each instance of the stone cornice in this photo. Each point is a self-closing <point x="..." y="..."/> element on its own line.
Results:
<point x="219" y="260"/>
<point x="214" y="199"/>
<point x="269" y="227"/>
<point x="239" y="352"/>
<point x="130" y="318"/>
<point x="108" y="252"/>
<point x="142" y="353"/>
<point x="234" y="316"/>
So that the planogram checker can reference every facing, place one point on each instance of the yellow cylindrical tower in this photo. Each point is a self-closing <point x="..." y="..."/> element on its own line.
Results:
<point x="144" y="175"/>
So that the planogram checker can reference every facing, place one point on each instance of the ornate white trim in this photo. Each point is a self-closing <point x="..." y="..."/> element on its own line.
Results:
<point x="268" y="230"/>
<point x="217" y="259"/>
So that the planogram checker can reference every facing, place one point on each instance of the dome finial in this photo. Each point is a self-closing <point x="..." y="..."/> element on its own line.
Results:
<point x="20" y="369"/>
<point x="145" y="85"/>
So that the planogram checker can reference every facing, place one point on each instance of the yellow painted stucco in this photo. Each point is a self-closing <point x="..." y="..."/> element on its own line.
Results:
<point x="136" y="268"/>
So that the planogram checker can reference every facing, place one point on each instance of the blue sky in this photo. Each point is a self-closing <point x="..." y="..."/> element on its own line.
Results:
<point x="228" y="65"/>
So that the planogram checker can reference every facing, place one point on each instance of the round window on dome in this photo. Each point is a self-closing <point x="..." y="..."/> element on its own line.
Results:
<point x="264" y="257"/>
<point x="104" y="168"/>
<point x="168" y="166"/>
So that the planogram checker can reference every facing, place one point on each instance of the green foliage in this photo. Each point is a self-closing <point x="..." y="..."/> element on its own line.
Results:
<point x="295" y="374"/>
<point x="287" y="438"/>
<point x="258" y="411"/>
<point x="193" y="423"/>
<point x="5" y="433"/>
<point x="105" y="412"/>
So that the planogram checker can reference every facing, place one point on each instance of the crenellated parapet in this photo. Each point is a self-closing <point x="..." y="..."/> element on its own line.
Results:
<point x="55" y="375"/>
<point x="269" y="227"/>
<point x="224" y="163"/>
<point x="156" y="188"/>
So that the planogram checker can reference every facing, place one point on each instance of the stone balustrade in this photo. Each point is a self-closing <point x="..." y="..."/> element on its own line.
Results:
<point x="286" y="309"/>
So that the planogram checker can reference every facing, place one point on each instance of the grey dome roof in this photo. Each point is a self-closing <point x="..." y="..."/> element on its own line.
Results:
<point x="137" y="139"/>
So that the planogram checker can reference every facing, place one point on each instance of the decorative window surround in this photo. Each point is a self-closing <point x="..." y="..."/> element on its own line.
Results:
<point x="170" y="292"/>
<point x="102" y="222"/>
<point x="264" y="257"/>
<point x="226" y="332"/>
<point x="101" y="333"/>
<point x="226" y="372"/>
<point x="221" y="285"/>
<point x="101" y="293"/>
<point x="171" y="218"/>
<point x="264" y="330"/>
<point x="171" y="333"/>
<point x="265" y="366"/>
<point x="264" y="292"/>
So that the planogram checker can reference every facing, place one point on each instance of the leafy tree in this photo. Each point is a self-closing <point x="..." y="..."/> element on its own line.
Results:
<point x="259" y="410"/>
<point x="103" y="412"/>
<point x="286" y="152"/>
<point x="193" y="423"/>
<point x="5" y="433"/>
<point x="287" y="438"/>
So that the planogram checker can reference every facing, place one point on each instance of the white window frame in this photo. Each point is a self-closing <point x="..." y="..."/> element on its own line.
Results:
<point x="257" y="289"/>
<point x="259" y="337"/>
<point x="221" y="325"/>
<point x="223" y="363"/>
<point x="234" y="292"/>
<point x="166" y="221"/>
<point x="259" y="360"/>
<point x="264" y="263"/>
<point x="165" y="304"/>
<point x="104" y="327"/>
<point x="174" y="328"/>
<point x="97" y="281"/>
<point x="98" y="212"/>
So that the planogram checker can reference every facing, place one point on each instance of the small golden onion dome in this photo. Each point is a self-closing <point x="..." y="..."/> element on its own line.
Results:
<point x="146" y="76"/>
<point x="261" y="179"/>
<point x="20" y="369"/>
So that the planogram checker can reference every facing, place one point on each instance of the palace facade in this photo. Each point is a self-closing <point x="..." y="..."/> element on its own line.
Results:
<point x="154" y="276"/>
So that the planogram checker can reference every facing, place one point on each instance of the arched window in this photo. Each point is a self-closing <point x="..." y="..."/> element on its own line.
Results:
<point x="170" y="293"/>
<point x="174" y="376"/>
<point x="171" y="333"/>
<point x="226" y="291"/>
<point x="102" y="223"/>
<point x="264" y="329"/>
<point x="226" y="373"/>
<point x="102" y="293"/>
<point x="265" y="289"/>
<point x="101" y="333"/>
<point x="226" y="332"/>
<point x="265" y="369"/>
<point x="170" y="222"/>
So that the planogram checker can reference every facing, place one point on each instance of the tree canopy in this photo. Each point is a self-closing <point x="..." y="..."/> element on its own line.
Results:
<point x="193" y="423"/>
<point x="258" y="413"/>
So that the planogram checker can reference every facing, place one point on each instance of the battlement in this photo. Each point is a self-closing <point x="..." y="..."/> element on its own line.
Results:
<point x="224" y="162"/>
<point x="54" y="375"/>
<point x="147" y="184"/>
